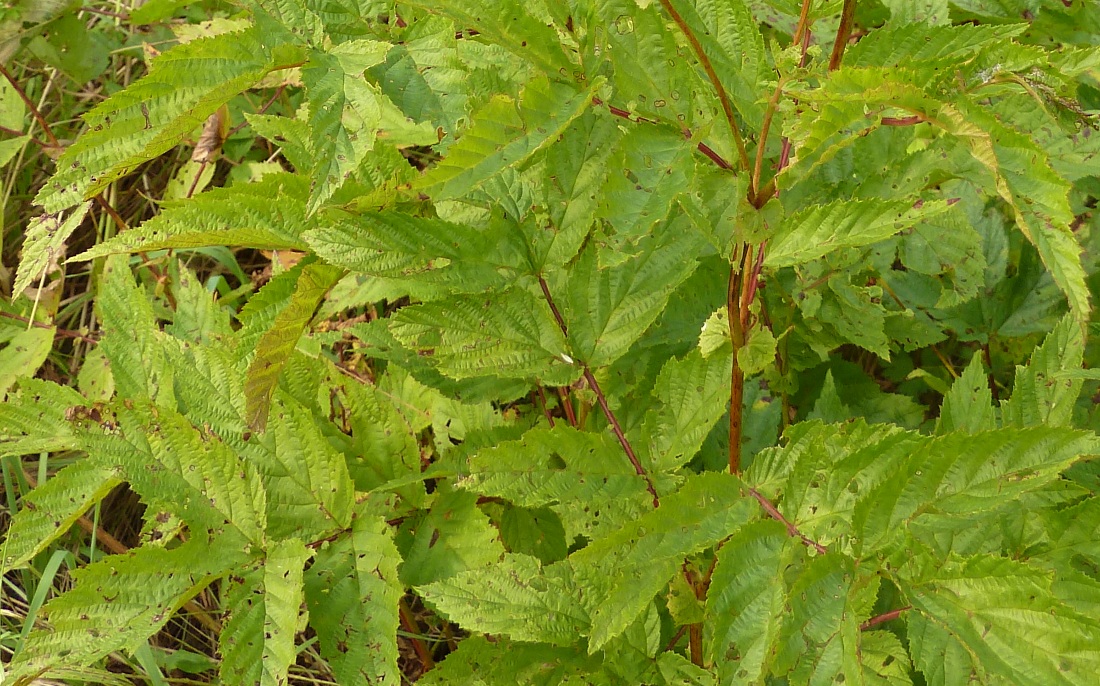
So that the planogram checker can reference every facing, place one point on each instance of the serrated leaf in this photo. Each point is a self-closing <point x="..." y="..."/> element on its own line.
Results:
<point x="745" y="601"/>
<point x="758" y="352"/>
<point x="583" y="477"/>
<point x="119" y="602"/>
<point x="946" y="245"/>
<point x="1041" y="396"/>
<point x="693" y="393"/>
<point x="131" y="340"/>
<point x="47" y="512"/>
<point x="186" y="85"/>
<point x="277" y="343"/>
<point x="480" y="661"/>
<point x="506" y="133"/>
<point x="349" y="115"/>
<point x="33" y="418"/>
<point x="962" y="475"/>
<point x="968" y="406"/>
<point x="608" y="309"/>
<point x="626" y="569"/>
<point x="23" y="355"/>
<point x="1037" y="195"/>
<point x="282" y="597"/>
<point x="453" y="537"/>
<point x="1004" y="615"/>
<point x="44" y="244"/>
<point x="577" y="167"/>
<point x="430" y="257"/>
<point x="821" y="229"/>
<point x="266" y="215"/>
<point x="925" y="44"/>
<point x="819" y="640"/>
<point x="513" y="24"/>
<point x="516" y="597"/>
<point x="352" y="591"/>
<point x="653" y="166"/>
<point x="310" y="491"/>
<point x="175" y="468"/>
<point x="509" y="333"/>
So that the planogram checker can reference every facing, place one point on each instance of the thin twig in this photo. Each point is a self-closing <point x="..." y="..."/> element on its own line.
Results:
<point x="884" y="617"/>
<point x="792" y="530"/>
<point x="737" y="375"/>
<point x="542" y="402"/>
<point x="30" y="105"/>
<point x="20" y="134"/>
<point x="263" y="108"/>
<point x="637" y="118"/>
<point x="843" y="33"/>
<point x="413" y="629"/>
<point x="63" y="333"/>
<point x="723" y="96"/>
<point x="567" y="405"/>
<point x="591" y="379"/>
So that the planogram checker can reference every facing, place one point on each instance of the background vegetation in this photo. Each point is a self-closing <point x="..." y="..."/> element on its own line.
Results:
<point x="352" y="341"/>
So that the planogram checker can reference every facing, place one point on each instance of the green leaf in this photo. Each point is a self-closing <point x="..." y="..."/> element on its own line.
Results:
<point x="513" y="25"/>
<point x="819" y="640"/>
<point x="132" y="341"/>
<point x="453" y="537"/>
<point x="745" y="600"/>
<point x="653" y="166"/>
<point x="693" y="393"/>
<point x="44" y="245"/>
<point x="584" y="477"/>
<point x="1037" y="195"/>
<point x="577" y="167"/>
<point x="925" y="45"/>
<point x="1041" y="395"/>
<point x="758" y="352"/>
<point x="821" y="229"/>
<point x="122" y="600"/>
<point x="505" y="134"/>
<point x="352" y="590"/>
<point x="176" y="468"/>
<point x="960" y="475"/>
<point x="480" y="661"/>
<point x="968" y="406"/>
<point x="282" y="596"/>
<point x="23" y="355"/>
<point x="349" y="115"/>
<point x="309" y="488"/>
<point x="266" y="215"/>
<point x="609" y="308"/>
<point x="186" y="85"/>
<point x="626" y="569"/>
<point x="430" y="257"/>
<point x="947" y="246"/>
<point x="278" y="342"/>
<point x="509" y="334"/>
<point x="33" y="418"/>
<point x="1003" y="615"/>
<point x="47" y="512"/>
<point x="516" y="597"/>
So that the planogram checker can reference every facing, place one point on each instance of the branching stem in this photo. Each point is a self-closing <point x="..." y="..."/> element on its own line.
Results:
<point x="723" y="96"/>
<point x="602" y="399"/>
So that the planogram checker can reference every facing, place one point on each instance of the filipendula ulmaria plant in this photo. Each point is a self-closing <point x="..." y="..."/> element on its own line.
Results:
<point x="645" y="233"/>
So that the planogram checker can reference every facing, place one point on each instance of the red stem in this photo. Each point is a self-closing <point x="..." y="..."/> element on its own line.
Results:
<point x="843" y="33"/>
<point x="792" y="530"/>
<point x="702" y="147"/>
<point x="883" y="618"/>
<point x="588" y="376"/>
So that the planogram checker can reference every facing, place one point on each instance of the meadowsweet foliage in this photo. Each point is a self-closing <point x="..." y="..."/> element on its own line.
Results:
<point x="672" y="342"/>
